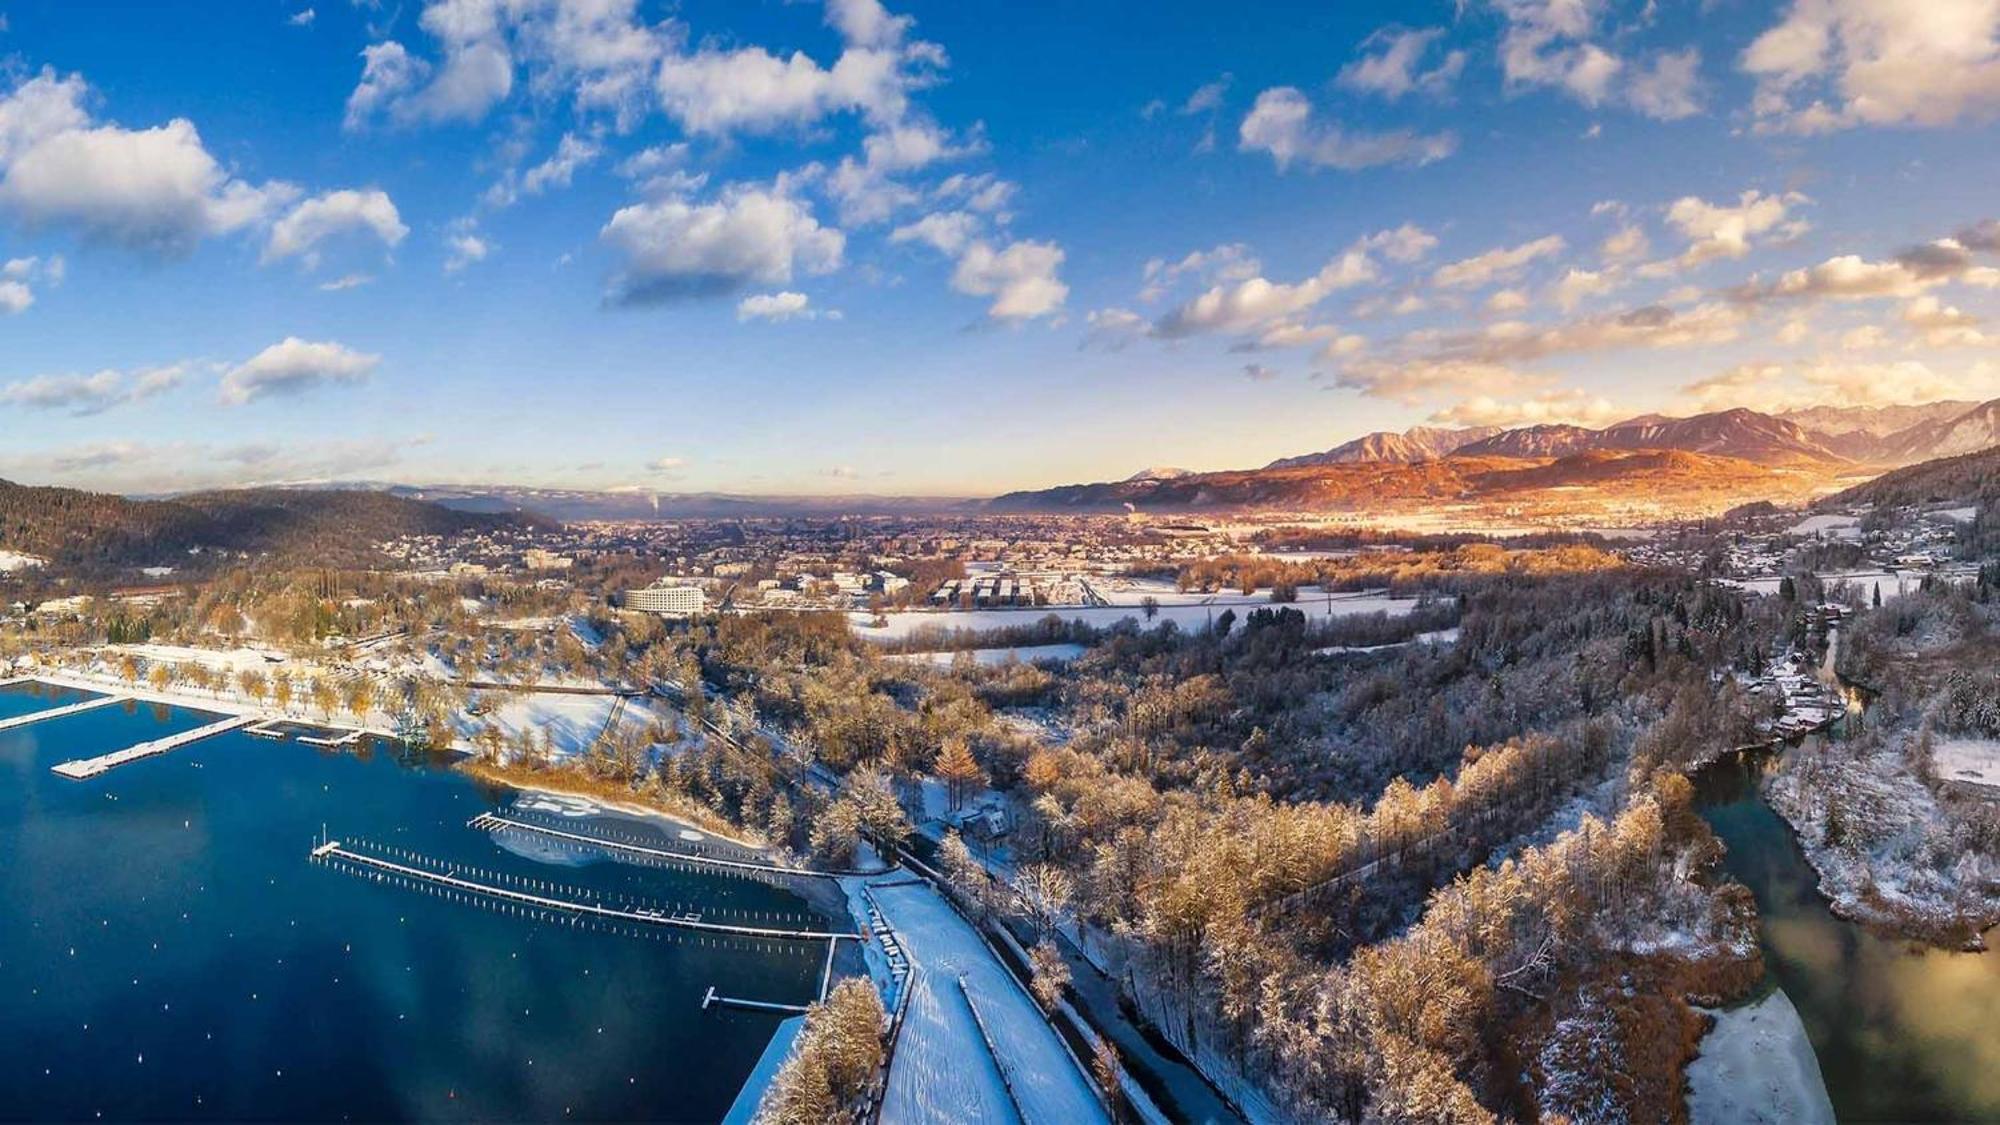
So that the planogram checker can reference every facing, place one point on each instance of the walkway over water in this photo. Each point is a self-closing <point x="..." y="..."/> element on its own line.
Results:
<point x="59" y="712"/>
<point x="431" y="871"/>
<point x="495" y="822"/>
<point x="82" y="768"/>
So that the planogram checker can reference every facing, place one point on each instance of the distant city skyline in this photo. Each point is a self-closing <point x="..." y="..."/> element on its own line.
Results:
<point x="958" y="249"/>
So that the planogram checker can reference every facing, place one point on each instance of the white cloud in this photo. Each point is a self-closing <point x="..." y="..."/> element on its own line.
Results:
<point x="1571" y="405"/>
<point x="1281" y="123"/>
<point x="867" y="190"/>
<point x="15" y="297"/>
<point x="1394" y="68"/>
<point x="666" y="464"/>
<point x="1626" y="244"/>
<point x="93" y="394"/>
<point x="1837" y="382"/>
<point x="948" y="232"/>
<point x="464" y="245"/>
<point x="750" y="90"/>
<point x="1835" y="64"/>
<point x="1414" y="380"/>
<point x="1111" y="329"/>
<point x="292" y="366"/>
<point x="1500" y="262"/>
<point x="303" y="18"/>
<point x="674" y="248"/>
<point x="572" y="153"/>
<point x="1668" y="88"/>
<point x="1021" y="278"/>
<point x="1726" y="230"/>
<point x="1407" y="243"/>
<point x="154" y="190"/>
<point x="314" y="220"/>
<point x="865" y="23"/>
<point x="1507" y="301"/>
<point x="1207" y="98"/>
<point x="1257" y="301"/>
<point x="1549" y="43"/>
<point x="1578" y="286"/>
<point x="783" y="305"/>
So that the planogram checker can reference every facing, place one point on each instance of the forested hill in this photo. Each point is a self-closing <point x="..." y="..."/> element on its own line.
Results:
<point x="76" y="528"/>
<point x="1973" y="478"/>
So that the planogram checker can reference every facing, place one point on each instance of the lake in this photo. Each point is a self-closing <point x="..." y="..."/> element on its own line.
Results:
<point x="172" y="953"/>
<point x="1903" y="1032"/>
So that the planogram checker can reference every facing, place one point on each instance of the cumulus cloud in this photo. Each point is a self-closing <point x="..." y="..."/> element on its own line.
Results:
<point x="749" y="90"/>
<point x="1412" y="381"/>
<point x="1231" y="261"/>
<point x="1281" y="123"/>
<point x="293" y="366"/>
<point x="599" y="54"/>
<point x="1569" y="405"/>
<point x="751" y="235"/>
<point x="1391" y="64"/>
<point x="1768" y="386"/>
<point x="1111" y="329"/>
<point x="1500" y="262"/>
<point x="1667" y="88"/>
<point x="1020" y="277"/>
<point x="947" y="232"/>
<point x="1729" y="230"/>
<point x="1578" y="286"/>
<point x="1257" y="301"/>
<point x="19" y="275"/>
<point x="784" y="305"/>
<point x="1836" y="64"/>
<point x="868" y="190"/>
<point x="556" y="171"/>
<point x="1207" y="97"/>
<point x="93" y="394"/>
<point x="312" y="221"/>
<point x="156" y="191"/>
<point x="1551" y="43"/>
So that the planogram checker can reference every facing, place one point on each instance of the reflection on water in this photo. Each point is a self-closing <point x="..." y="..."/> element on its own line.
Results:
<point x="1902" y="1032"/>
<point x="168" y="952"/>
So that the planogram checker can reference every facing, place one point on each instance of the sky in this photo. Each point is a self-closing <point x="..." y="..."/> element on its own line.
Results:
<point x="956" y="248"/>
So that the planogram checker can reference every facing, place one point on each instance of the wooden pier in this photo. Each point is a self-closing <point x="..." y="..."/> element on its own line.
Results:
<point x="490" y="822"/>
<point x="334" y="850"/>
<point x="80" y="769"/>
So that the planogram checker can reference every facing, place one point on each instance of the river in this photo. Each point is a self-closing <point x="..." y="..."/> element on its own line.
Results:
<point x="1902" y="1032"/>
<point x="171" y="953"/>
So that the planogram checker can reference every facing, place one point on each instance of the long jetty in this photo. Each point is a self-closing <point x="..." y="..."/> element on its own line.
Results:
<point x="59" y="712"/>
<point x="80" y="769"/>
<point x="334" y="850"/>
<point x="495" y="822"/>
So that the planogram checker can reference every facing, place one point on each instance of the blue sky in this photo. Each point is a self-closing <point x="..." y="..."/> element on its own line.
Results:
<point x="959" y="248"/>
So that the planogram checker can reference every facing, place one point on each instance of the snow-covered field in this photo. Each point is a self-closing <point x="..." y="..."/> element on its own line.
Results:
<point x="1831" y="526"/>
<point x="1893" y="585"/>
<point x="1968" y="759"/>
<point x="221" y="659"/>
<point x="1189" y="611"/>
<point x="11" y="561"/>
<point x="942" y="1070"/>
<point x="993" y="657"/>
<point x="1756" y="1064"/>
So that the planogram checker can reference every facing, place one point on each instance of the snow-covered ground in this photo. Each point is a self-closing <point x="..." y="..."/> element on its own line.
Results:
<point x="11" y="561"/>
<point x="1189" y="611"/>
<point x="1831" y="526"/>
<point x="943" y="1071"/>
<point x="994" y="657"/>
<point x="1968" y="759"/>
<point x="1757" y="1065"/>
<point x="1885" y="848"/>
<point x="1439" y="637"/>
<point x="221" y="659"/>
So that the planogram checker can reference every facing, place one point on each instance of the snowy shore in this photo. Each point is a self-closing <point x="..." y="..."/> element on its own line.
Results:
<point x="1757" y="1065"/>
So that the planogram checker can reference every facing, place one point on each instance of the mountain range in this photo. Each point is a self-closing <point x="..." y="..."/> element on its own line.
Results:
<point x="1718" y="455"/>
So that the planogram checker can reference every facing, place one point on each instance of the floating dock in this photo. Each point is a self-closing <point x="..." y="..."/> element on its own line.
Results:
<point x="81" y="769"/>
<point x="493" y="822"/>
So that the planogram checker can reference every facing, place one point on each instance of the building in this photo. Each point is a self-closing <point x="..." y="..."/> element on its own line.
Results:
<point x="672" y="601"/>
<point x="537" y="558"/>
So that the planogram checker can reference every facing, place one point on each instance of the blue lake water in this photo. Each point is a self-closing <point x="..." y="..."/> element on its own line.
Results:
<point x="170" y="951"/>
<point x="28" y="698"/>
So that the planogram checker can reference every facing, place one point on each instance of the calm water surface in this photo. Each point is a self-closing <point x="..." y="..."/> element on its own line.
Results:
<point x="1903" y="1033"/>
<point x="169" y="951"/>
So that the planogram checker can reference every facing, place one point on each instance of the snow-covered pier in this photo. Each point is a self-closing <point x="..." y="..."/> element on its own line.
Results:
<point x="495" y="822"/>
<point x="81" y="768"/>
<point x="59" y="712"/>
<point x="334" y="851"/>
